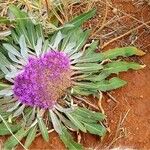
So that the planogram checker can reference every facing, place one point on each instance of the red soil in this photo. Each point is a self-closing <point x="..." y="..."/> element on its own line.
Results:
<point x="134" y="98"/>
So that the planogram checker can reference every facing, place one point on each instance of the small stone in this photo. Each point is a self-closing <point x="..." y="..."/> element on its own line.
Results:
<point x="141" y="96"/>
<point x="108" y="100"/>
<point x="115" y="11"/>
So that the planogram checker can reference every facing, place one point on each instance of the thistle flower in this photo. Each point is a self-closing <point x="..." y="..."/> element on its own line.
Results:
<point x="43" y="80"/>
<point x="47" y="78"/>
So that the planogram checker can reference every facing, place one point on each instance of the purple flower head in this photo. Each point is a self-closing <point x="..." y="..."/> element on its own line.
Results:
<point x="43" y="80"/>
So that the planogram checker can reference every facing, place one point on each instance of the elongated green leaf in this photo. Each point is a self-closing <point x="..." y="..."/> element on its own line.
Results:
<point x="12" y="142"/>
<point x="111" y="84"/>
<point x="112" y="54"/>
<point x="31" y="32"/>
<point x="104" y="85"/>
<point x="4" y="130"/>
<point x="88" y="67"/>
<point x="4" y="20"/>
<point x="82" y="91"/>
<point x="25" y="26"/>
<point x="88" y="115"/>
<point x="68" y="40"/>
<point x="57" y="40"/>
<point x="3" y="85"/>
<point x="38" y="47"/>
<point x="56" y="123"/>
<point x="3" y="60"/>
<point x="88" y="85"/>
<point x="95" y="129"/>
<point x="83" y="119"/>
<point x="78" y="21"/>
<point x="14" y="106"/>
<point x="39" y="31"/>
<point x="114" y="67"/>
<point x="31" y="136"/>
<point x="81" y="40"/>
<point x="12" y="50"/>
<point x="43" y="129"/>
<point x="68" y="141"/>
<point x="76" y="122"/>
<point x="124" y="51"/>
<point x="23" y="46"/>
<point x="4" y="114"/>
<point x="121" y="66"/>
<point x="22" y="23"/>
<point x="19" y="111"/>
<point x="66" y="121"/>
<point x="91" y="49"/>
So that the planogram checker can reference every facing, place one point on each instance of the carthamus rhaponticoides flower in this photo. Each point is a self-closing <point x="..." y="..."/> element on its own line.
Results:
<point x="46" y="81"/>
<point x="43" y="80"/>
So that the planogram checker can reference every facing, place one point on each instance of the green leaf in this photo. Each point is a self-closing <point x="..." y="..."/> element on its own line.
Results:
<point x="91" y="49"/>
<point x="21" y="24"/>
<point x="124" y="51"/>
<point x="88" y="115"/>
<point x="23" y="46"/>
<point x="12" y="50"/>
<point x="88" y="85"/>
<point x="25" y="26"/>
<point x="12" y="142"/>
<point x="56" y="123"/>
<point x="70" y="37"/>
<point x="119" y="66"/>
<point x="82" y="91"/>
<point x="38" y="47"/>
<point x="76" y="122"/>
<point x="31" y="136"/>
<point x="3" y="60"/>
<point x="104" y="85"/>
<point x="79" y="20"/>
<point x="19" y="111"/>
<point x="112" y="54"/>
<point x="88" y="67"/>
<point x="4" y="130"/>
<point x="66" y="121"/>
<point x="95" y="129"/>
<point x="58" y="37"/>
<point x="114" y="67"/>
<point x="43" y="129"/>
<point x="68" y="141"/>
<point x="3" y="85"/>
<point x="81" y="40"/>
<point x="4" y="20"/>
<point x="111" y="84"/>
<point x="4" y="114"/>
<point x="39" y="31"/>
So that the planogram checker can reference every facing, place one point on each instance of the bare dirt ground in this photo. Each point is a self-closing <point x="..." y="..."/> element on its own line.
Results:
<point x="128" y="108"/>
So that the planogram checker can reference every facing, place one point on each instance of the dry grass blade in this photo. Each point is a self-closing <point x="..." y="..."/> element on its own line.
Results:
<point x="100" y="102"/>
<point x="128" y="15"/>
<point x="123" y="35"/>
<point x="95" y="31"/>
<point x="120" y="132"/>
<point x="87" y="102"/>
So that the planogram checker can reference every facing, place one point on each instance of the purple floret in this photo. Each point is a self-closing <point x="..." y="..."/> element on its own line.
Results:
<point x="43" y="80"/>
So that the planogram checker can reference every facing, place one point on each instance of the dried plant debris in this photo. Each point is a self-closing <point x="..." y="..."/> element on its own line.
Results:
<point x="45" y="76"/>
<point x="141" y="2"/>
<point x="49" y="13"/>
